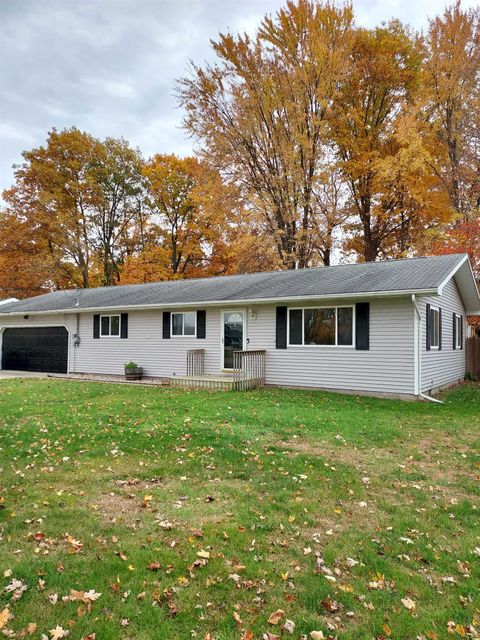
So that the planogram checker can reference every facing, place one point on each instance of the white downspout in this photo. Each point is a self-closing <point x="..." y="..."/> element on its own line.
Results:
<point x="418" y="354"/>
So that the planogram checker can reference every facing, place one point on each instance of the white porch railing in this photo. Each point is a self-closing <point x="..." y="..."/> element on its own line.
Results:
<point x="248" y="369"/>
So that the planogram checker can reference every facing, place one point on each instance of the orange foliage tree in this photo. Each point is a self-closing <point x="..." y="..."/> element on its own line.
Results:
<point x="451" y="85"/>
<point x="451" y="80"/>
<point x="315" y="134"/>
<point x="189" y="224"/>
<point x="79" y="198"/>
<point x="261" y="113"/>
<point x="382" y="153"/>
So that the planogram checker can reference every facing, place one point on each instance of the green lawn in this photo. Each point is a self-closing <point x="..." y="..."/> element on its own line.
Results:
<point x="199" y="515"/>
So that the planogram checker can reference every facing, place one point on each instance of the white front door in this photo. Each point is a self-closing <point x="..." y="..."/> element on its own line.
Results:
<point x="233" y="335"/>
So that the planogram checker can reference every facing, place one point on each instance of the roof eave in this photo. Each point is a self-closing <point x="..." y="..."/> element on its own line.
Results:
<point x="234" y="302"/>
<point x="467" y="285"/>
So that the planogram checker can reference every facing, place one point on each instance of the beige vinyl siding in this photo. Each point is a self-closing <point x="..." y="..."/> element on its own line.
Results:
<point x="146" y="346"/>
<point x="387" y="367"/>
<point x="47" y="320"/>
<point x="445" y="366"/>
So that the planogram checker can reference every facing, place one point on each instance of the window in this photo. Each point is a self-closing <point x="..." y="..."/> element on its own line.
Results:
<point x="324" y="326"/>
<point x="434" y="328"/>
<point x="184" y="324"/>
<point x="109" y="326"/>
<point x="458" y="332"/>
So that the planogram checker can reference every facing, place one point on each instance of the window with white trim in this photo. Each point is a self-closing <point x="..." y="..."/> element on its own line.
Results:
<point x="323" y="326"/>
<point x="434" y="328"/>
<point x="458" y="331"/>
<point x="110" y="326"/>
<point x="184" y="324"/>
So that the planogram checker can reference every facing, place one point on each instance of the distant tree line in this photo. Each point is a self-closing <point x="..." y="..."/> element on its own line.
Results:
<point x="315" y="136"/>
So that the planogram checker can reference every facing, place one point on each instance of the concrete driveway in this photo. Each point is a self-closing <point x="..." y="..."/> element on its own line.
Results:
<point x="4" y="375"/>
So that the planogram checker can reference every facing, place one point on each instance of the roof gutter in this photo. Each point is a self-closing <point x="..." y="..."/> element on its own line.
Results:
<point x="226" y="303"/>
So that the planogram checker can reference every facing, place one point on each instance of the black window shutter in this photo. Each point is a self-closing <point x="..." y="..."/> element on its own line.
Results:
<point x="201" y="323"/>
<point x="281" y="328"/>
<point x="362" y="326"/>
<point x="166" y="324"/>
<point x="461" y="332"/>
<point x="439" y="329"/>
<point x="454" y="332"/>
<point x="429" y="325"/>
<point x="96" y="326"/>
<point x="124" y="325"/>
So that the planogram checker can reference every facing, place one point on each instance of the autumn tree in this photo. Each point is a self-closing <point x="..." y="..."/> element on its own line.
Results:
<point x="451" y="82"/>
<point x="79" y="196"/>
<point x="189" y="224"/>
<point x="25" y="265"/>
<point x="116" y="204"/>
<point x="51" y="195"/>
<point x="261" y="113"/>
<point x="381" y="153"/>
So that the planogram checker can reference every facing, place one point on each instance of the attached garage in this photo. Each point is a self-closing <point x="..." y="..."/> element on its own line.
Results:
<point x="35" y="349"/>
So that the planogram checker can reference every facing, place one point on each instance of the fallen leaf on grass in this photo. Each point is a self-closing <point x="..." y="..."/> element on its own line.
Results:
<point x="409" y="604"/>
<point x="331" y="605"/>
<point x="154" y="566"/>
<point x="276" y="616"/>
<point x="58" y="633"/>
<point x="289" y="626"/>
<point x="17" y="588"/>
<point x="237" y="618"/>
<point x="317" y="635"/>
<point x="458" y="629"/>
<point x="75" y="545"/>
<point x="83" y="596"/>
<point x="4" y="617"/>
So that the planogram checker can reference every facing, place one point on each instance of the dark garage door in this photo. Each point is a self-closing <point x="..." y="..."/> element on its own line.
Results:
<point x="35" y="349"/>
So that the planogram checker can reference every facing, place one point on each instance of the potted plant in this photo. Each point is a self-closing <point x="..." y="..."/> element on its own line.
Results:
<point x="133" y="371"/>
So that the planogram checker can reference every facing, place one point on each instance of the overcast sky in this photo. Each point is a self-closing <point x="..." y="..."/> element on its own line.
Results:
<point x="109" y="66"/>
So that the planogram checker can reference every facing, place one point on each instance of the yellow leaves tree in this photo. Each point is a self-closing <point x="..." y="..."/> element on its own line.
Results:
<point x="382" y="155"/>
<point x="25" y="265"/>
<point x="190" y="222"/>
<point x="51" y="195"/>
<point x="451" y="81"/>
<point x="261" y="113"/>
<point x="79" y="198"/>
<point x="116" y="204"/>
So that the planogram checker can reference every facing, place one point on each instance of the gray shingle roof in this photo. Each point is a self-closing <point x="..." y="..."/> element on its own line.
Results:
<point x="415" y="274"/>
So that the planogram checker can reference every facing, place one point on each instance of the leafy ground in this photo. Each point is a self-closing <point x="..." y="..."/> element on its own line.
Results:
<point x="149" y="513"/>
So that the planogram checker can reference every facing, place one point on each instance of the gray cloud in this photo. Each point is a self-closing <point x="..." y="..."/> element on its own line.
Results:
<point x="109" y="66"/>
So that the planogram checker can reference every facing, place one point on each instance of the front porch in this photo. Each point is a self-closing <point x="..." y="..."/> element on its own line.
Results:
<point x="248" y="372"/>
